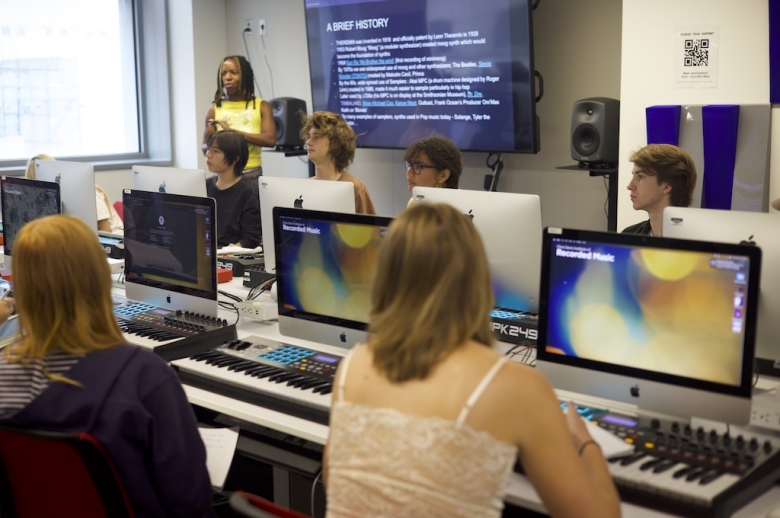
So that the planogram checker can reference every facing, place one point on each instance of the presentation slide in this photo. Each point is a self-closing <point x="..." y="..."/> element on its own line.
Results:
<point x="401" y="70"/>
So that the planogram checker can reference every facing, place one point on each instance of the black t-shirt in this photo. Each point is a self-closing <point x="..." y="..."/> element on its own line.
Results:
<point x="238" y="214"/>
<point x="639" y="228"/>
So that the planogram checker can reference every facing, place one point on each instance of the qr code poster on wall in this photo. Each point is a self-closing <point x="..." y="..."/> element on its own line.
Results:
<point x="696" y="57"/>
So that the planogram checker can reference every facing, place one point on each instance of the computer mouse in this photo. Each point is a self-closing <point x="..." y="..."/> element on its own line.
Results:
<point x="773" y="513"/>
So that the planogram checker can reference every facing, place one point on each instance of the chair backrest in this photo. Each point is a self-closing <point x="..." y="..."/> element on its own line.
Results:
<point x="252" y="506"/>
<point x="119" y="207"/>
<point x="46" y="473"/>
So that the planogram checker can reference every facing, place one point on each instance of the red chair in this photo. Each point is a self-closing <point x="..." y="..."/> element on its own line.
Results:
<point x="120" y="210"/>
<point x="58" y="474"/>
<point x="252" y="506"/>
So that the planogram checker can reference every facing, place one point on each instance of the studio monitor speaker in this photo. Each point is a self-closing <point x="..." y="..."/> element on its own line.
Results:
<point x="595" y="131"/>
<point x="288" y="113"/>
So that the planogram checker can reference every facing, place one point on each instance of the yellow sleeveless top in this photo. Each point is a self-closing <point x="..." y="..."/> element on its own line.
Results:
<point x="244" y="118"/>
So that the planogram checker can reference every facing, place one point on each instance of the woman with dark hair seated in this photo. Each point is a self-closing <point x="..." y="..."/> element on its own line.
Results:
<point x="432" y="162"/>
<point x="238" y="203"/>
<point x="71" y="370"/>
<point x="427" y="420"/>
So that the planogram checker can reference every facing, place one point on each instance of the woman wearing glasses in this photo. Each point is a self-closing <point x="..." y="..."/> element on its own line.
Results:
<point x="432" y="162"/>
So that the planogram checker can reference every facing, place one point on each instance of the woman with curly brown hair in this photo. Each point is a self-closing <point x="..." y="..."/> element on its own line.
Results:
<point x="330" y="145"/>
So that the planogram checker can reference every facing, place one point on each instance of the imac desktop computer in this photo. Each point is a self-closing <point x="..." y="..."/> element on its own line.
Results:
<point x="324" y="269"/>
<point x="753" y="228"/>
<point x="170" y="251"/>
<point x="77" y="187"/>
<point x="667" y="325"/>
<point x="173" y="180"/>
<point x="303" y="194"/>
<point x="24" y="200"/>
<point x="511" y="229"/>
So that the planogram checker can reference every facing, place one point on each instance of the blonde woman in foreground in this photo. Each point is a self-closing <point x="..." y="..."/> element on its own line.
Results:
<point x="72" y="371"/>
<point x="427" y="420"/>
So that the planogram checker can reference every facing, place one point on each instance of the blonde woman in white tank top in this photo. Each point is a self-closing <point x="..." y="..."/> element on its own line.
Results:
<point x="427" y="420"/>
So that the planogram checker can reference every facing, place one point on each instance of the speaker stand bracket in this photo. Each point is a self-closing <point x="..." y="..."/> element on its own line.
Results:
<point x="611" y="172"/>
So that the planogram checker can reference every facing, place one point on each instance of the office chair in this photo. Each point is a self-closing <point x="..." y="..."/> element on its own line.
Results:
<point x="57" y="474"/>
<point x="252" y="506"/>
<point x="119" y="207"/>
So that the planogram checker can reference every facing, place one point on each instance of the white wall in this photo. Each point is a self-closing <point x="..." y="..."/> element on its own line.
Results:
<point x="577" y="51"/>
<point x="647" y="77"/>
<point x="197" y="41"/>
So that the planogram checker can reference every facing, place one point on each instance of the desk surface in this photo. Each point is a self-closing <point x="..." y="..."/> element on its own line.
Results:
<point x="519" y="491"/>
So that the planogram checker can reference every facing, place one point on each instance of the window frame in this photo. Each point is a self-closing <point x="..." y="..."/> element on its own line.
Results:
<point x="154" y="104"/>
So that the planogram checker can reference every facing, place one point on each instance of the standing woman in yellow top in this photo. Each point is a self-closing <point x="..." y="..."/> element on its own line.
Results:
<point x="236" y="107"/>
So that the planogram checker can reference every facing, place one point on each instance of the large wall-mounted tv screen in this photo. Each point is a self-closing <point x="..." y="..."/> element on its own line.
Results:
<point x="400" y="70"/>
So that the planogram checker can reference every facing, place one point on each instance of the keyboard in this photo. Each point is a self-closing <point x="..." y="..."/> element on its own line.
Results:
<point x="113" y="244"/>
<point x="685" y="471"/>
<point x="694" y="472"/>
<point x="169" y="333"/>
<point x="238" y="263"/>
<point x="281" y="377"/>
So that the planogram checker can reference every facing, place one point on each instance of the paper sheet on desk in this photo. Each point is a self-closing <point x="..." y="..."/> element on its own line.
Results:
<point x="220" y="448"/>
<point x="230" y="249"/>
<point x="611" y="444"/>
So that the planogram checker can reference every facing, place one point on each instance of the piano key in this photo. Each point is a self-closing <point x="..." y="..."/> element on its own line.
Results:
<point x="665" y="484"/>
<point x="146" y="343"/>
<point x="259" y="384"/>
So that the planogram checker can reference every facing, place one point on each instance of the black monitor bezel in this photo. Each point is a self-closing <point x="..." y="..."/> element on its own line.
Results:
<point x="38" y="184"/>
<point x="282" y="275"/>
<point x="752" y="252"/>
<point x="181" y="199"/>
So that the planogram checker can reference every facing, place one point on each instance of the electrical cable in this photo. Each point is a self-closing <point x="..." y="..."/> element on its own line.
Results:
<point x="755" y="372"/>
<point x="249" y="58"/>
<point x="231" y="307"/>
<point x="313" y="487"/>
<point x="496" y="166"/>
<point x="264" y="286"/>
<point x="512" y="349"/>
<point x="268" y="65"/>
<point x="527" y="357"/>
<point x="230" y="296"/>
<point x="606" y="202"/>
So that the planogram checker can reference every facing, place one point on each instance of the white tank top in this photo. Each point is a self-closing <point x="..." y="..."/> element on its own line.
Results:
<point x="384" y="463"/>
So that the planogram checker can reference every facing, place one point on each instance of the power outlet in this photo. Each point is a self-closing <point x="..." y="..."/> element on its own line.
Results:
<point x="261" y="26"/>
<point x="765" y="411"/>
<point x="257" y="310"/>
<point x="248" y="26"/>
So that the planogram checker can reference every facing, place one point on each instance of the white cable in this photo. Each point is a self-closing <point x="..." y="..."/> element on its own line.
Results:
<point x="268" y="65"/>
<point x="249" y="58"/>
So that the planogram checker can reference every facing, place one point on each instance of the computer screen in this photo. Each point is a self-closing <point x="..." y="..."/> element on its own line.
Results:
<point x="170" y="251"/>
<point x="77" y="187"/>
<point x="757" y="228"/>
<point x="24" y="200"/>
<point x="400" y="70"/>
<point x="303" y="194"/>
<point x="324" y="267"/>
<point x="665" y="324"/>
<point x="510" y="225"/>
<point x="187" y="182"/>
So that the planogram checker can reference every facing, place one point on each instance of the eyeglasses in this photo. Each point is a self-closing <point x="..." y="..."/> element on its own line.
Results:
<point x="417" y="167"/>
